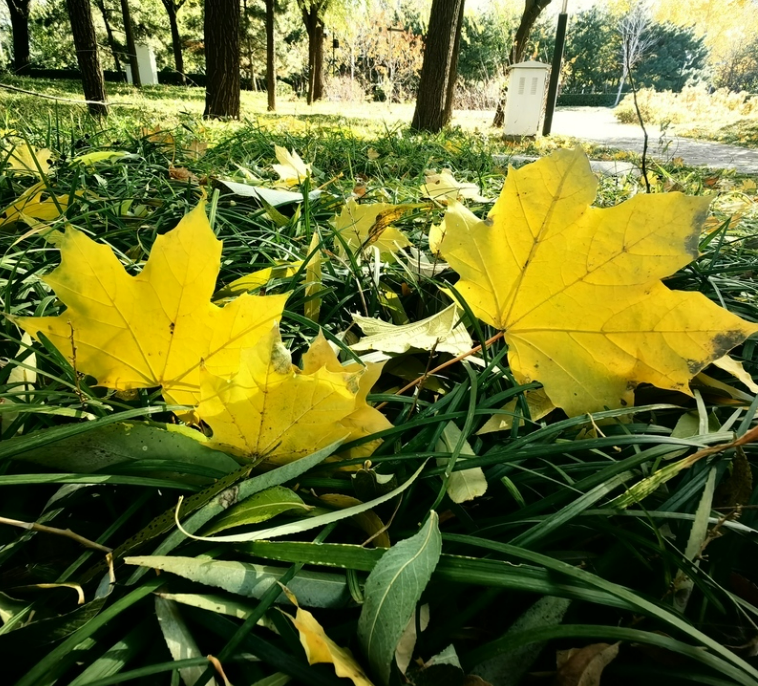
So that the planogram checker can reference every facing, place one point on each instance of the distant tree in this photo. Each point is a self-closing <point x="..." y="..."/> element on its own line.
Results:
<point x="532" y="11"/>
<point x="19" y="12"/>
<point x="85" y="40"/>
<point x="636" y="40"/>
<point x="484" y="41"/>
<point x="222" y="58"/>
<point x="439" y="69"/>
<point x="676" y="56"/>
<point x="270" y="55"/>
<point x="172" y="10"/>
<point x="313" y="12"/>
<point x="131" y="44"/>
<point x="105" y="14"/>
<point x="593" y="48"/>
<point x="738" y="71"/>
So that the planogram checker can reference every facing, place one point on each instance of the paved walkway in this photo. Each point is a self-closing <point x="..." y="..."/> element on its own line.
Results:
<point x="599" y="125"/>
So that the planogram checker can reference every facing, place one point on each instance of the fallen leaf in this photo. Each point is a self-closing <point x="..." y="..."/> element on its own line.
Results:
<point x="735" y="368"/>
<point x="92" y="158"/>
<point x="291" y="169"/>
<point x="180" y="173"/>
<point x="372" y="154"/>
<point x="407" y="642"/>
<point x="584" y="666"/>
<point x="158" y="136"/>
<point x="442" y="332"/>
<point x="443" y="187"/>
<point x="320" y="648"/>
<point x="369" y="521"/>
<point x="196" y="149"/>
<point x="156" y="328"/>
<point x="465" y="484"/>
<point x="32" y="209"/>
<point x="25" y="159"/>
<point x="577" y="289"/>
<point x="539" y="406"/>
<point x="257" y="279"/>
<point x="362" y="226"/>
<point x="275" y="411"/>
<point x="313" y="285"/>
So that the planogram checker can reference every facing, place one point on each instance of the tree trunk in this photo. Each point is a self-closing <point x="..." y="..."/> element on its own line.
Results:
<point x="532" y="11"/>
<point x="438" y="59"/>
<point x="622" y="80"/>
<point x="176" y="40"/>
<point x="85" y="41"/>
<point x="130" y="45"/>
<point x="109" y="32"/>
<point x="19" y="11"/>
<point x="453" y="77"/>
<point x="270" y="57"/>
<point x="314" y="25"/>
<point x="222" y="58"/>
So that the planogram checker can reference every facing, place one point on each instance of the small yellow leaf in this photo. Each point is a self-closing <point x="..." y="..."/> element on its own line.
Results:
<point x="465" y="484"/>
<point x="443" y="188"/>
<point x="92" y="158"/>
<point x="291" y="169"/>
<point x="320" y="648"/>
<point x="24" y="159"/>
<point x="363" y="226"/>
<point x="735" y="368"/>
<point x="372" y="154"/>
<point x="32" y="209"/>
<point x="539" y="406"/>
<point x="368" y="521"/>
<point x="156" y="328"/>
<point x="442" y="332"/>
<point x="577" y="289"/>
<point x="258" y="279"/>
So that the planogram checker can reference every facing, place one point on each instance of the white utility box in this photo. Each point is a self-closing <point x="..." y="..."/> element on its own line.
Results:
<point x="525" y="103"/>
<point x="148" y="72"/>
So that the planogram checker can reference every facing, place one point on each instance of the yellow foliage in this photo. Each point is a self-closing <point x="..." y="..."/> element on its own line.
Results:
<point x="577" y="289"/>
<point x="274" y="411"/>
<point x="35" y="205"/>
<point x="156" y="328"/>
<point x="24" y="159"/>
<point x="291" y="169"/>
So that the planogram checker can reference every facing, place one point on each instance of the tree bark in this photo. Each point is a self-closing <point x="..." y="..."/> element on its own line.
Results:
<point x="109" y="32"/>
<point x="222" y="58"/>
<point x="85" y="41"/>
<point x="532" y="11"/>
<point x="314" y="26"/>
<point x="176" y="39"/>
<point x="270" y="56"/>
<point x="130" y="44"/>
<point x="19" y="12"/>
<point x="436" y="69"/>
<point x="453" y="77"/>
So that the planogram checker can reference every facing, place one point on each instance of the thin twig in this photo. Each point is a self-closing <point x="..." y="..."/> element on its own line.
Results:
<point x="444" y="365"/>
<point x="71" y="100"/>
<point x="66" y="533"/>
<point x="642" y="126"/>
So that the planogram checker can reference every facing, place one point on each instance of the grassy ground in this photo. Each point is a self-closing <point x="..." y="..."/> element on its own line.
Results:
<point x="544" y="532"/>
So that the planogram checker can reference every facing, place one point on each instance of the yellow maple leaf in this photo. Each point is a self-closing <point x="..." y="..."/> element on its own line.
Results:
<point x="25" y="159"/>
<point x="364" y="420"/>
<point x="275" y="411"/>
<point x="363" y="226"/>
<point x="320" y="648"/>
<point x="443" y="187"/>
<point x="577" y="289"/>
<point x="156" y="328"/>
<point x="291" y="169"/>
<point x="35" y="205"/>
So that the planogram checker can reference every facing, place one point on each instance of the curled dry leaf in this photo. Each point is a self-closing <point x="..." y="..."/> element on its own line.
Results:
<point x="363" y="226"/>
<point x="25" y="159"/>
<point x="578" y="291"/>
<point x="539" y="406"/>
<point x="156" y="328"/>
<point x="584" y="666"/>
<point x="443" y="188"/>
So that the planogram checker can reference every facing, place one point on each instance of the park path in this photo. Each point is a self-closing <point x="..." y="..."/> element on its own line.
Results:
<point x="599" y="125"/>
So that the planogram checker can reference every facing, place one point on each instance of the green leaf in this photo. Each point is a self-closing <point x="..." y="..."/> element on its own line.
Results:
<point x="312" y="589"/>
<point x="129" y="442"/>
<point x="392" y="590"/>
<point x="259" y="508"/>
<point x="179" y="640"/>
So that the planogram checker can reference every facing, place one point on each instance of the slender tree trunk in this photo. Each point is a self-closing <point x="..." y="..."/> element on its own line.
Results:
<point x="318" y="71"/>
<point x="453" y="77"/>
<point x="19" y="11"/>
<point x="622" y="81"/>
<point x="270" y="56"/>
<point x="222" y="58"/>
<point x="109" y="32"/>
<point x="85" y="41"/>
<point x="532" y="11"/>
<point x="314" y="25"/>
<point x="176" y="40"/>
<point x="130" y="44"/>
<point x="435" y="72"/>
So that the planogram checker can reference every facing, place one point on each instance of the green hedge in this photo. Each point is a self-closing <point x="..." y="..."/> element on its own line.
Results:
<point x="586" y="99"/>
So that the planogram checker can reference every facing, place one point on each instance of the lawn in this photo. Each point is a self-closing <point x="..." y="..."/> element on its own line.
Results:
<point x="631" y="527"/>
